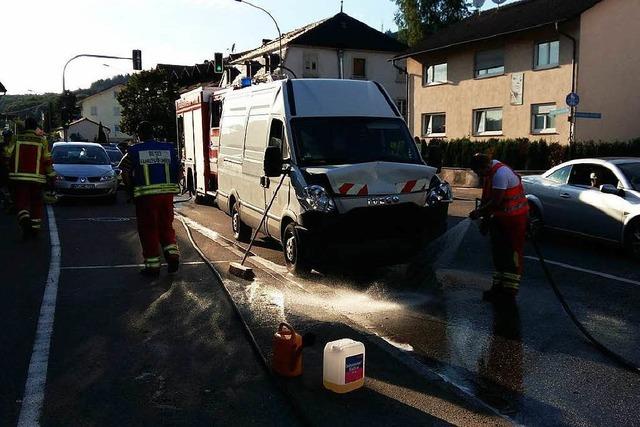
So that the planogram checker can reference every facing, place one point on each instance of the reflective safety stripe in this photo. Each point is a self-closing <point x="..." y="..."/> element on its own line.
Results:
<point x="32" y="177"/>
<point x="147" y="179"/>
<point x="511" y="281"/>
<point x="167" y="173"/>
<point x="23" y="214"/>
<point x="171" y="249"/>
<point x="149" y="190"/>
<point x="152" y="262"/>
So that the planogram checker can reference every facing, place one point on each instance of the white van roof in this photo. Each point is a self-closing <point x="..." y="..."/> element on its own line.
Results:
<point x="328" y="97"/>
<point x="333" y="97"/>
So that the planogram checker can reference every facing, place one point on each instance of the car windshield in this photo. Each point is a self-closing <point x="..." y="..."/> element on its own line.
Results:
<point x="114" y="155"/>
<point x="632" y="172"/>
<point x="349" y="140"/>
<point x="79" y="155"/>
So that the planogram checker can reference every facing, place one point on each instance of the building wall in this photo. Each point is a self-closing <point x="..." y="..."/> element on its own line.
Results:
<point x="463" y="93"/>
<point x="378" y="67"/>
<point x="608" y="80"/>
<point x="107" y="112"/>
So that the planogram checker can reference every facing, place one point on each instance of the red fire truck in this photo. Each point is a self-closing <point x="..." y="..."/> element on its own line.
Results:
<point x="198" y="123"/>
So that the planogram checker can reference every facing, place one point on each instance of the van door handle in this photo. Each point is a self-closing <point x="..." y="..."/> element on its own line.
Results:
<point x="565" y="195"/>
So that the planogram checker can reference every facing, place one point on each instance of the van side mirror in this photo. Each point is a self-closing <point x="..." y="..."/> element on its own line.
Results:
<point x="611" y="189"/>
<point x="273" y="162"/>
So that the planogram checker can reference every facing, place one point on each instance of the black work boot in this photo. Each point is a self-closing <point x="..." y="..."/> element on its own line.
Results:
<point x="173" y="264"/>
<point x="25" y="226"/>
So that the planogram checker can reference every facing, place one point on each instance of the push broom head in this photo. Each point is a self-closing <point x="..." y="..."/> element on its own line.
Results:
<point x="242" y="271"/>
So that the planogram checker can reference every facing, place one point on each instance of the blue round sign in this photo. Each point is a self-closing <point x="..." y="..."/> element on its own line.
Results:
<point x="573" y="99"/>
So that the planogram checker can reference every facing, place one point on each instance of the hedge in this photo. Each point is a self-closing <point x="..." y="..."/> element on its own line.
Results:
<point x="525" y="154"/>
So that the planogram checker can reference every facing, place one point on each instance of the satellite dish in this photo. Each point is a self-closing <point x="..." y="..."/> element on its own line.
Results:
<point x="498" y="2"/>
<point x="478" y="3"/>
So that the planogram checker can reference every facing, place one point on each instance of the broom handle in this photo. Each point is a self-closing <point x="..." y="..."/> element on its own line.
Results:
<point x="255" y="233"/>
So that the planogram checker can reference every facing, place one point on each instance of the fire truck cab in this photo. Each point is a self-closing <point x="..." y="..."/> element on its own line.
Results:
<point x="198" y="125"/>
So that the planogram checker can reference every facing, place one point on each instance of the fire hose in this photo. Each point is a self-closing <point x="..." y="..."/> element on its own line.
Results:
<point x="623" y="362"/>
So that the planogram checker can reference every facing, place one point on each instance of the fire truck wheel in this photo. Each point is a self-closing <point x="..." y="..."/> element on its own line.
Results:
<point x="241" y="231"/>
<point x="295" y="254"/>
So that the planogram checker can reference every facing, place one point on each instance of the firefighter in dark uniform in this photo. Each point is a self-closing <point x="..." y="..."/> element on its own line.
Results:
<point x="150" y="170"/>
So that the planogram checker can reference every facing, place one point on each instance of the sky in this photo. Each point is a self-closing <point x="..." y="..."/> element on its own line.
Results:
<point x="41" y="35"/>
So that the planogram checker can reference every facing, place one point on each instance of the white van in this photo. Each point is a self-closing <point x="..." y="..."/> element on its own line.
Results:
<point x="352" y="177"/>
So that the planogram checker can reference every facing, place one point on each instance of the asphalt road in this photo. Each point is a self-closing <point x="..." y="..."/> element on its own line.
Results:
<point x="530" y="364"/>
<point x="126" y="351"/>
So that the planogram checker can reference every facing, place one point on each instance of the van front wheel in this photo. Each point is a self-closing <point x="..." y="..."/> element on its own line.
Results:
<point x="295" y="254"/>
<point x="241" y="231"/>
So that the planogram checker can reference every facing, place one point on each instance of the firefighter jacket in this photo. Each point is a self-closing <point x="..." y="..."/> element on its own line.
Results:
<point x="29" y="158"/>
<point x="153" y="167"/>
<point x="514" y="202"/>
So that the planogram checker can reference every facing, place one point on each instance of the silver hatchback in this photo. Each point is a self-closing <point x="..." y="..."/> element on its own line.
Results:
<point x="84" y="170"/>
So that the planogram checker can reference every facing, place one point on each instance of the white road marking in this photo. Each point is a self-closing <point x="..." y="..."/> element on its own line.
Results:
<point x="102" y="267"/>
<point x="33" y="398"/>
<point x="103" y="219"/>
<point x="585" y="270"/>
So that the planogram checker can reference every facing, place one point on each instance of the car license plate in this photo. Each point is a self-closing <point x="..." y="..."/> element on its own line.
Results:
<point x="82" y="186"/>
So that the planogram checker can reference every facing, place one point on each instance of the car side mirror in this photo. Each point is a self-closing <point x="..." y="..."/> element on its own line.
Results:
<point x="611" y="189"/>
<point x="273" y="162"/>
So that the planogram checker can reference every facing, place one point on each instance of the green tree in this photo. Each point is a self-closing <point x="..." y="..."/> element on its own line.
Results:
<point x="416" y="18"/>
<point x="102" y="137"/>
<point x="150" y="96"/>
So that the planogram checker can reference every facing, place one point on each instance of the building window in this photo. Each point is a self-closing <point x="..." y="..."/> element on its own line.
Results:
<point x="434" y="124"/>
<point x="116" y="111"/>
<point x="401" y="103"/>
<point x="541" y="119"/>
<point x="487" y="122"/>
<point x="310" y="65"/>
<point x="489" y="63"/>
<point x="547" y="55"/>
<point x="359" y="68"/>
<point x="94" y="110"/>
<point x="116" y="128"/>
<point x="435" y="74"/>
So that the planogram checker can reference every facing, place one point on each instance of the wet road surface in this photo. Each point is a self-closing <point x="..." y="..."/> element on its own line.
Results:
<point x="529" y="363"/>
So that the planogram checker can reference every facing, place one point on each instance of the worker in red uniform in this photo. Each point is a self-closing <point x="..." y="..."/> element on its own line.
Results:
<point x="29" y="170"/>
<point x="151" y="168"/>
<point x="504" y="208"/>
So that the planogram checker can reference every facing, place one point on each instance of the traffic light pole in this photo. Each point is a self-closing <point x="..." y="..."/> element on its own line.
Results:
<point x="65" y="127"/>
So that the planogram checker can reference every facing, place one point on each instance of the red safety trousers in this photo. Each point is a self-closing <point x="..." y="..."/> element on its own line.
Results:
<point x="508" y="228"/>
<point x="29" y="203"/>
<point x="155" y="228"/>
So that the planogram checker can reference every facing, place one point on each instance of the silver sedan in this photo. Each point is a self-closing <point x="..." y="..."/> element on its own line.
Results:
<point x="84" y="170"/>
<point x="598" y="198"/>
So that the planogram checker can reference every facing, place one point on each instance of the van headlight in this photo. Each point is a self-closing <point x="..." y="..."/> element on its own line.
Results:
<point x="439" y="192"/>
<point x="108" y="177"/>
<point x="316" y="198"/>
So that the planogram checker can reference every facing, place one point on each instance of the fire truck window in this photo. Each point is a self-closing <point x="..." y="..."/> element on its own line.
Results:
<point x="216" y="113"/>
<point x="181" y="131"/>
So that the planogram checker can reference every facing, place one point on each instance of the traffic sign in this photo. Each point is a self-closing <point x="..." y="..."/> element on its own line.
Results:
<point x="573" y="99"/>
<point x="559" y="111"/>
<point x="581" y="115"/>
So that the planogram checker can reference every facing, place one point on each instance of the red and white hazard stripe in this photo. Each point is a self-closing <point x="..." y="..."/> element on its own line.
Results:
<point x="411" y="185"/>
<point x="351" y="189"/>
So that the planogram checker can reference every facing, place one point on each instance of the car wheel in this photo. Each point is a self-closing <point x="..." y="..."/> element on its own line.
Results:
<point x="293" y="246"/>
<point x="632" y="240"/>
<point x="241" y="231"/>
<point x="535" y="221"/>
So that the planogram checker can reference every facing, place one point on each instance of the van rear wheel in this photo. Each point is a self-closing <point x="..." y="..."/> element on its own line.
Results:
<point x="241" y="231"/>
<point x="295" y="253"/>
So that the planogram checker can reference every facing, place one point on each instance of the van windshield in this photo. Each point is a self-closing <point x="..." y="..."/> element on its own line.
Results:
<point x="349" y="140"/>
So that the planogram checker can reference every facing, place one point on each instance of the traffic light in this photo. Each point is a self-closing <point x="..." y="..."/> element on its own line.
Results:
<point x="218" y="63"/>
<point x="136" y="55"/>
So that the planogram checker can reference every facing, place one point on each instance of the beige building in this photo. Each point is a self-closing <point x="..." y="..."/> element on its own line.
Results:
<point x="103" y="107"/>
<point x="339" y="47"/>
<point x="506" y="73"/>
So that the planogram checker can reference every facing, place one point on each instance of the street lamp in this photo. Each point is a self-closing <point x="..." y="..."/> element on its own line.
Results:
<point x="274" y="21"/>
